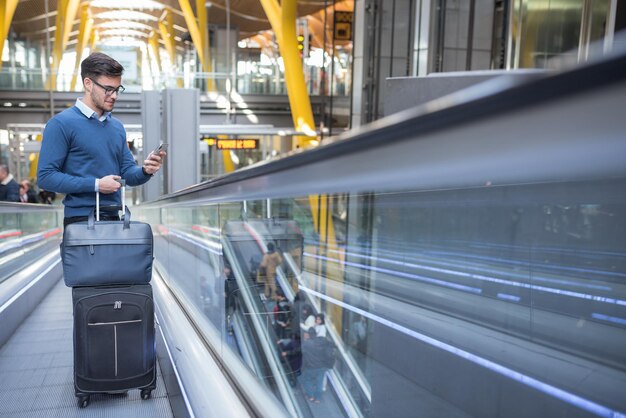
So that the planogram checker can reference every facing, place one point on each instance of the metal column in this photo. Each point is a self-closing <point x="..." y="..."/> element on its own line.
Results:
<point x="151" y="128"/>
<point x="181" y="116"/>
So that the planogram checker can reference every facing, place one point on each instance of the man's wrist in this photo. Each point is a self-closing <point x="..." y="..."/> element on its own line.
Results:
<point x="145" y="173"/>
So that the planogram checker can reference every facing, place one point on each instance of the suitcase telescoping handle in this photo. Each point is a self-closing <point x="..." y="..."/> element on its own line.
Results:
<point x="122" y="182"/>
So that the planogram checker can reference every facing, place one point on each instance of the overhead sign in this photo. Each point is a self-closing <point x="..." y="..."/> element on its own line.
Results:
<point x="343" y="26"/>
<point x="231" y="144"/>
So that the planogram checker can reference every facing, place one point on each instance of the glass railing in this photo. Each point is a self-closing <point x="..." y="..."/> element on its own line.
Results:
<point x="248" y="83"/>
<point x="27" y="233"/>
<point x="468" y="258"/>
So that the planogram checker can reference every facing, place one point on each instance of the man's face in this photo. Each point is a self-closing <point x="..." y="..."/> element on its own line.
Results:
<point x="3" y="175"/>
<point x="97" y="92"/>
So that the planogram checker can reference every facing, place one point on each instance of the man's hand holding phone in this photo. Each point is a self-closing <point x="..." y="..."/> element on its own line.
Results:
<point x="153" y="162"/>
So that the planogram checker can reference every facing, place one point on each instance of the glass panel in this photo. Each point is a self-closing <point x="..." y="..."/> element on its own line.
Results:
<point x="26" y="236"/>
<point x="438" y="297"/>
<point x="599" y="15"/>
<point x="543" y="29"/>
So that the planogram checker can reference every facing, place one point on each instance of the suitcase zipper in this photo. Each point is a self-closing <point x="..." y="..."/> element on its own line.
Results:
<point x="114" y="323"/>
<point x="115" y="337"/>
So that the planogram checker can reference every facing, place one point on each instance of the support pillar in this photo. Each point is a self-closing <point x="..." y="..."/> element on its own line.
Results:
<point x="151" y="129"/>
<point x="181" y="118"/>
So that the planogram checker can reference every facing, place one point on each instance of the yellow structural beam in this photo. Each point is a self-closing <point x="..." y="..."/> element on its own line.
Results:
<point x="194" y="30"/>
<point x="283" y="21"/>
<point x="57" y="51"/>
<point x="71" y="11"/>
<point x="34" y="160"/>
<point x="273" y="12"/>
<point x="166" y="29"/>
<point x="84" y="34"/>
<point x="66" y="12"/>
<point x="202" y="29"/>
<point x="93" y="40"/>
<point x="274" y="15"/>
<point x="7" y="9"/>
<point x="207" y="67"/>
<point x="153" y="41"/>
<point x="303" y="119"/>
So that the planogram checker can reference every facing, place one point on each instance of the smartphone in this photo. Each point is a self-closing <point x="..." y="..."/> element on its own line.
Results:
<point x="162" y="147"/>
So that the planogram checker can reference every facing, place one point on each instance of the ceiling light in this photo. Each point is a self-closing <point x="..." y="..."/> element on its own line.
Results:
<point x="8" y="104"/>
<point x="123" y="32"/>
<point x="22" y="104"/>
<point x="126" y="15"/>
<point x="127" y="4"/>
<point x="124" y="24"/>
<point x="121" y="41"/>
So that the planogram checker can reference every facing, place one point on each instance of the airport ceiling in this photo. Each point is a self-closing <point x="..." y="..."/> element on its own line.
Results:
<point x="33" y="19"/>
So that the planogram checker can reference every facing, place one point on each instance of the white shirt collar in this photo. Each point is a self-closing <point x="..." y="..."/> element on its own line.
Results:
<point x="7" y="179"/>
<point x="89" y="112"/>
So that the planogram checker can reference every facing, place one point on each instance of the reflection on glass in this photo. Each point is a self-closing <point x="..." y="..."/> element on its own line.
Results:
<point x="543" y="29"/>
<point x="25" y="236"/>
<point x="416" y="295"/>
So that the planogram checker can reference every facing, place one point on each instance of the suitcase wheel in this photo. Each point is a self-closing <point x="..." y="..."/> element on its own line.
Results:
<point x="83" y="401"/>
<point x="146" y="394"/>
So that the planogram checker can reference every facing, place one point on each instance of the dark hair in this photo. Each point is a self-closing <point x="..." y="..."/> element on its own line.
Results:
<point x="97" y="64"/>
<point x="321" y="317"/>
<point x="312" y="332"/>
<point x="270" y="247"/>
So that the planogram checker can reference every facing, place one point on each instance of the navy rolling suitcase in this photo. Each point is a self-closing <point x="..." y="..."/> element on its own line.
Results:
<point x="114" y="340"/>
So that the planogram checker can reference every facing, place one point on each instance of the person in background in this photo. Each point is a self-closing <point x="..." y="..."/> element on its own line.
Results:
<point x="290" y="350"/>
<point x="320" y="325"/>
<point x="282" y="315"/>
<point x="47" y="197"/>
<point x="358" y="334"/>
<point x="296" y="310"/>
<point x="84" y="149"/>
<point x="316" y="360"/>
<point x="27" y="194"/>
<point x="271" y="260"/>
<point x="9" y="189"/>
<point x="309" y="318"/>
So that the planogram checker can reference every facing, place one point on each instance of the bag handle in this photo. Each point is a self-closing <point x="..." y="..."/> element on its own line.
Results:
<point x="125" y="210"/>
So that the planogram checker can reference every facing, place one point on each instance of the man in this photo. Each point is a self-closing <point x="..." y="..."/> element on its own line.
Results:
<point x="317" y="357"/>
<point x="9" y="189"/>
<point x="27" y="194"/>
<point x="271" y="260"/>
<point x="84" y="148"/>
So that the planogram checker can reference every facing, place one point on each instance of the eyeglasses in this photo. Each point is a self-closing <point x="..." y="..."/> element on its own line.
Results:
<point x="108" y="91"/>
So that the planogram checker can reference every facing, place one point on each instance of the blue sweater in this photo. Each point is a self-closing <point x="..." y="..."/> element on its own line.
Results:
<point x="76" y="150"/>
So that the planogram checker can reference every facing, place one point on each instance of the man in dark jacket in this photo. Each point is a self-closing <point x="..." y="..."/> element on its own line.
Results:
<point x="317" y="357"/>
<point x="9" y="189"/>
